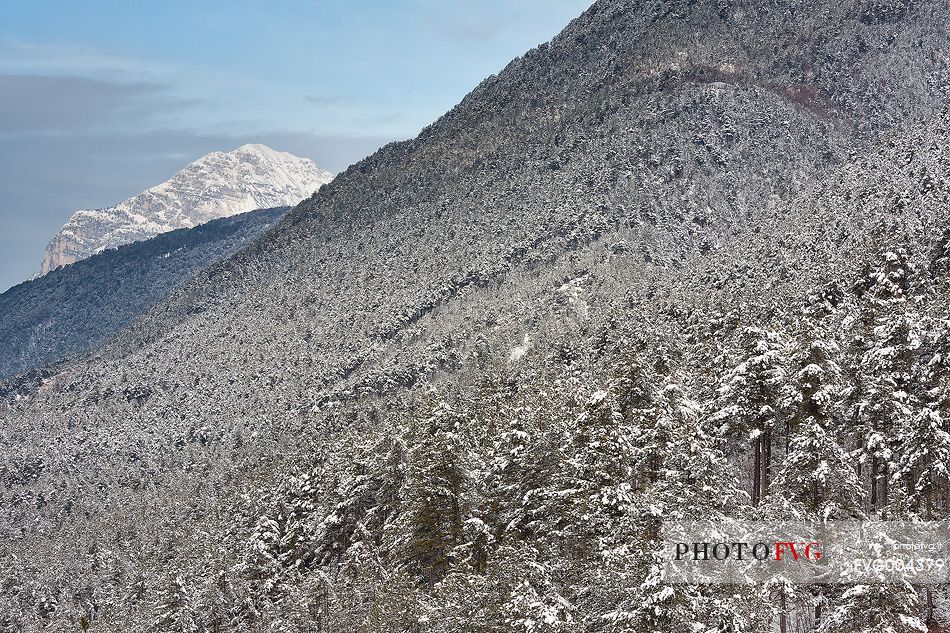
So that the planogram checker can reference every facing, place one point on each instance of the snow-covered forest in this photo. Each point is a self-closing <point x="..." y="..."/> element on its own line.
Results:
<point x="688" y="260"/>
<point x="75" y="309"/>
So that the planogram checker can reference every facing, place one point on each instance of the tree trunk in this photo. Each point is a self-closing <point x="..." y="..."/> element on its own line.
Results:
<point x="884" y="483"/>
<point x="873" y="482"/>
<point x="783" y="616"/>
<point x="860" y="466"/>
<point x="767" y="461"/>
<point x="929" y="497"/>
<point x="930" y="622"/>
<point x="756" y="468"/>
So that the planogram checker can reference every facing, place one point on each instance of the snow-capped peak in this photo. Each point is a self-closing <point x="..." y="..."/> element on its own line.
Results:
<point x="219" y="184"/>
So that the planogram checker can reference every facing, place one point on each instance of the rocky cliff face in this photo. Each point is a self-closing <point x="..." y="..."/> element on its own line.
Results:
<point x="217" y="185"/>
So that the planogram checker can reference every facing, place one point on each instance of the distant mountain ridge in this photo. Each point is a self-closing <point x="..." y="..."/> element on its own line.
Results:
<point x="217" y="185"/>
<point x="76" y="308"/>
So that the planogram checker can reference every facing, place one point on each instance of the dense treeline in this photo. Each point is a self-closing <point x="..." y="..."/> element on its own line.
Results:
<point x="538" y="506"/>
<point x="77" y="307"/>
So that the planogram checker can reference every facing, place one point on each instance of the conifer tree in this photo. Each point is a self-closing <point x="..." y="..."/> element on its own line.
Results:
<point x="922" y="469"/>
<point x="433" y="498"/>
<point x="878" y="608"/>
<point x="817" y="474"/>
<point x="885" y="369"/>
<point x="751" y="399"/>
<point x="669" y="434"/>
<point x="175" y="609"/>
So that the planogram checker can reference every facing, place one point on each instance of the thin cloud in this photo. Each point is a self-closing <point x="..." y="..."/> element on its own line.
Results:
<point x="477" y="27"/>
<point x="36" y="103"/>
<point x="20" y="57"/>
<point x="382" y="119"/>
<point x="326" y="100"/>
<point x="463" y="20"/>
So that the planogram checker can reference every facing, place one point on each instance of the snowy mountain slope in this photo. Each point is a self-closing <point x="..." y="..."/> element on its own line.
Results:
<point x="457" y="388"/>
<point x="217" y="185"/>
<point x="76" y="308"/>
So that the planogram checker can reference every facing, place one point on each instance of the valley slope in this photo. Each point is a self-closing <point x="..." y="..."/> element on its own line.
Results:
<point x="77" y="307"/>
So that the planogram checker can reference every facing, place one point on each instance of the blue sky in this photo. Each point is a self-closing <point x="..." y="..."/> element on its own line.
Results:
<point x="100" y="100"/>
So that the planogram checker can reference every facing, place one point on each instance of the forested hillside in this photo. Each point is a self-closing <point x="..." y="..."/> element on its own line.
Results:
<point x="76" y="308"/>
<point x="687" y="260"/>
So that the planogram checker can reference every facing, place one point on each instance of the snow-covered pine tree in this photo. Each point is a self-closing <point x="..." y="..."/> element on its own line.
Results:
<point x="885" y="368"/>
<point x="366" y="496"/>
<point x="940" y="258"/>
<point x="817" y="475"/>
<point x="282" y="540"/>
<point x="175" y="609"/>
<point x="682" y="474"/>
<point x="433" y="508"/>
<point x="878" y="608"/>
<point x="751" y="397"/>
<point x="922" y="470"/>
